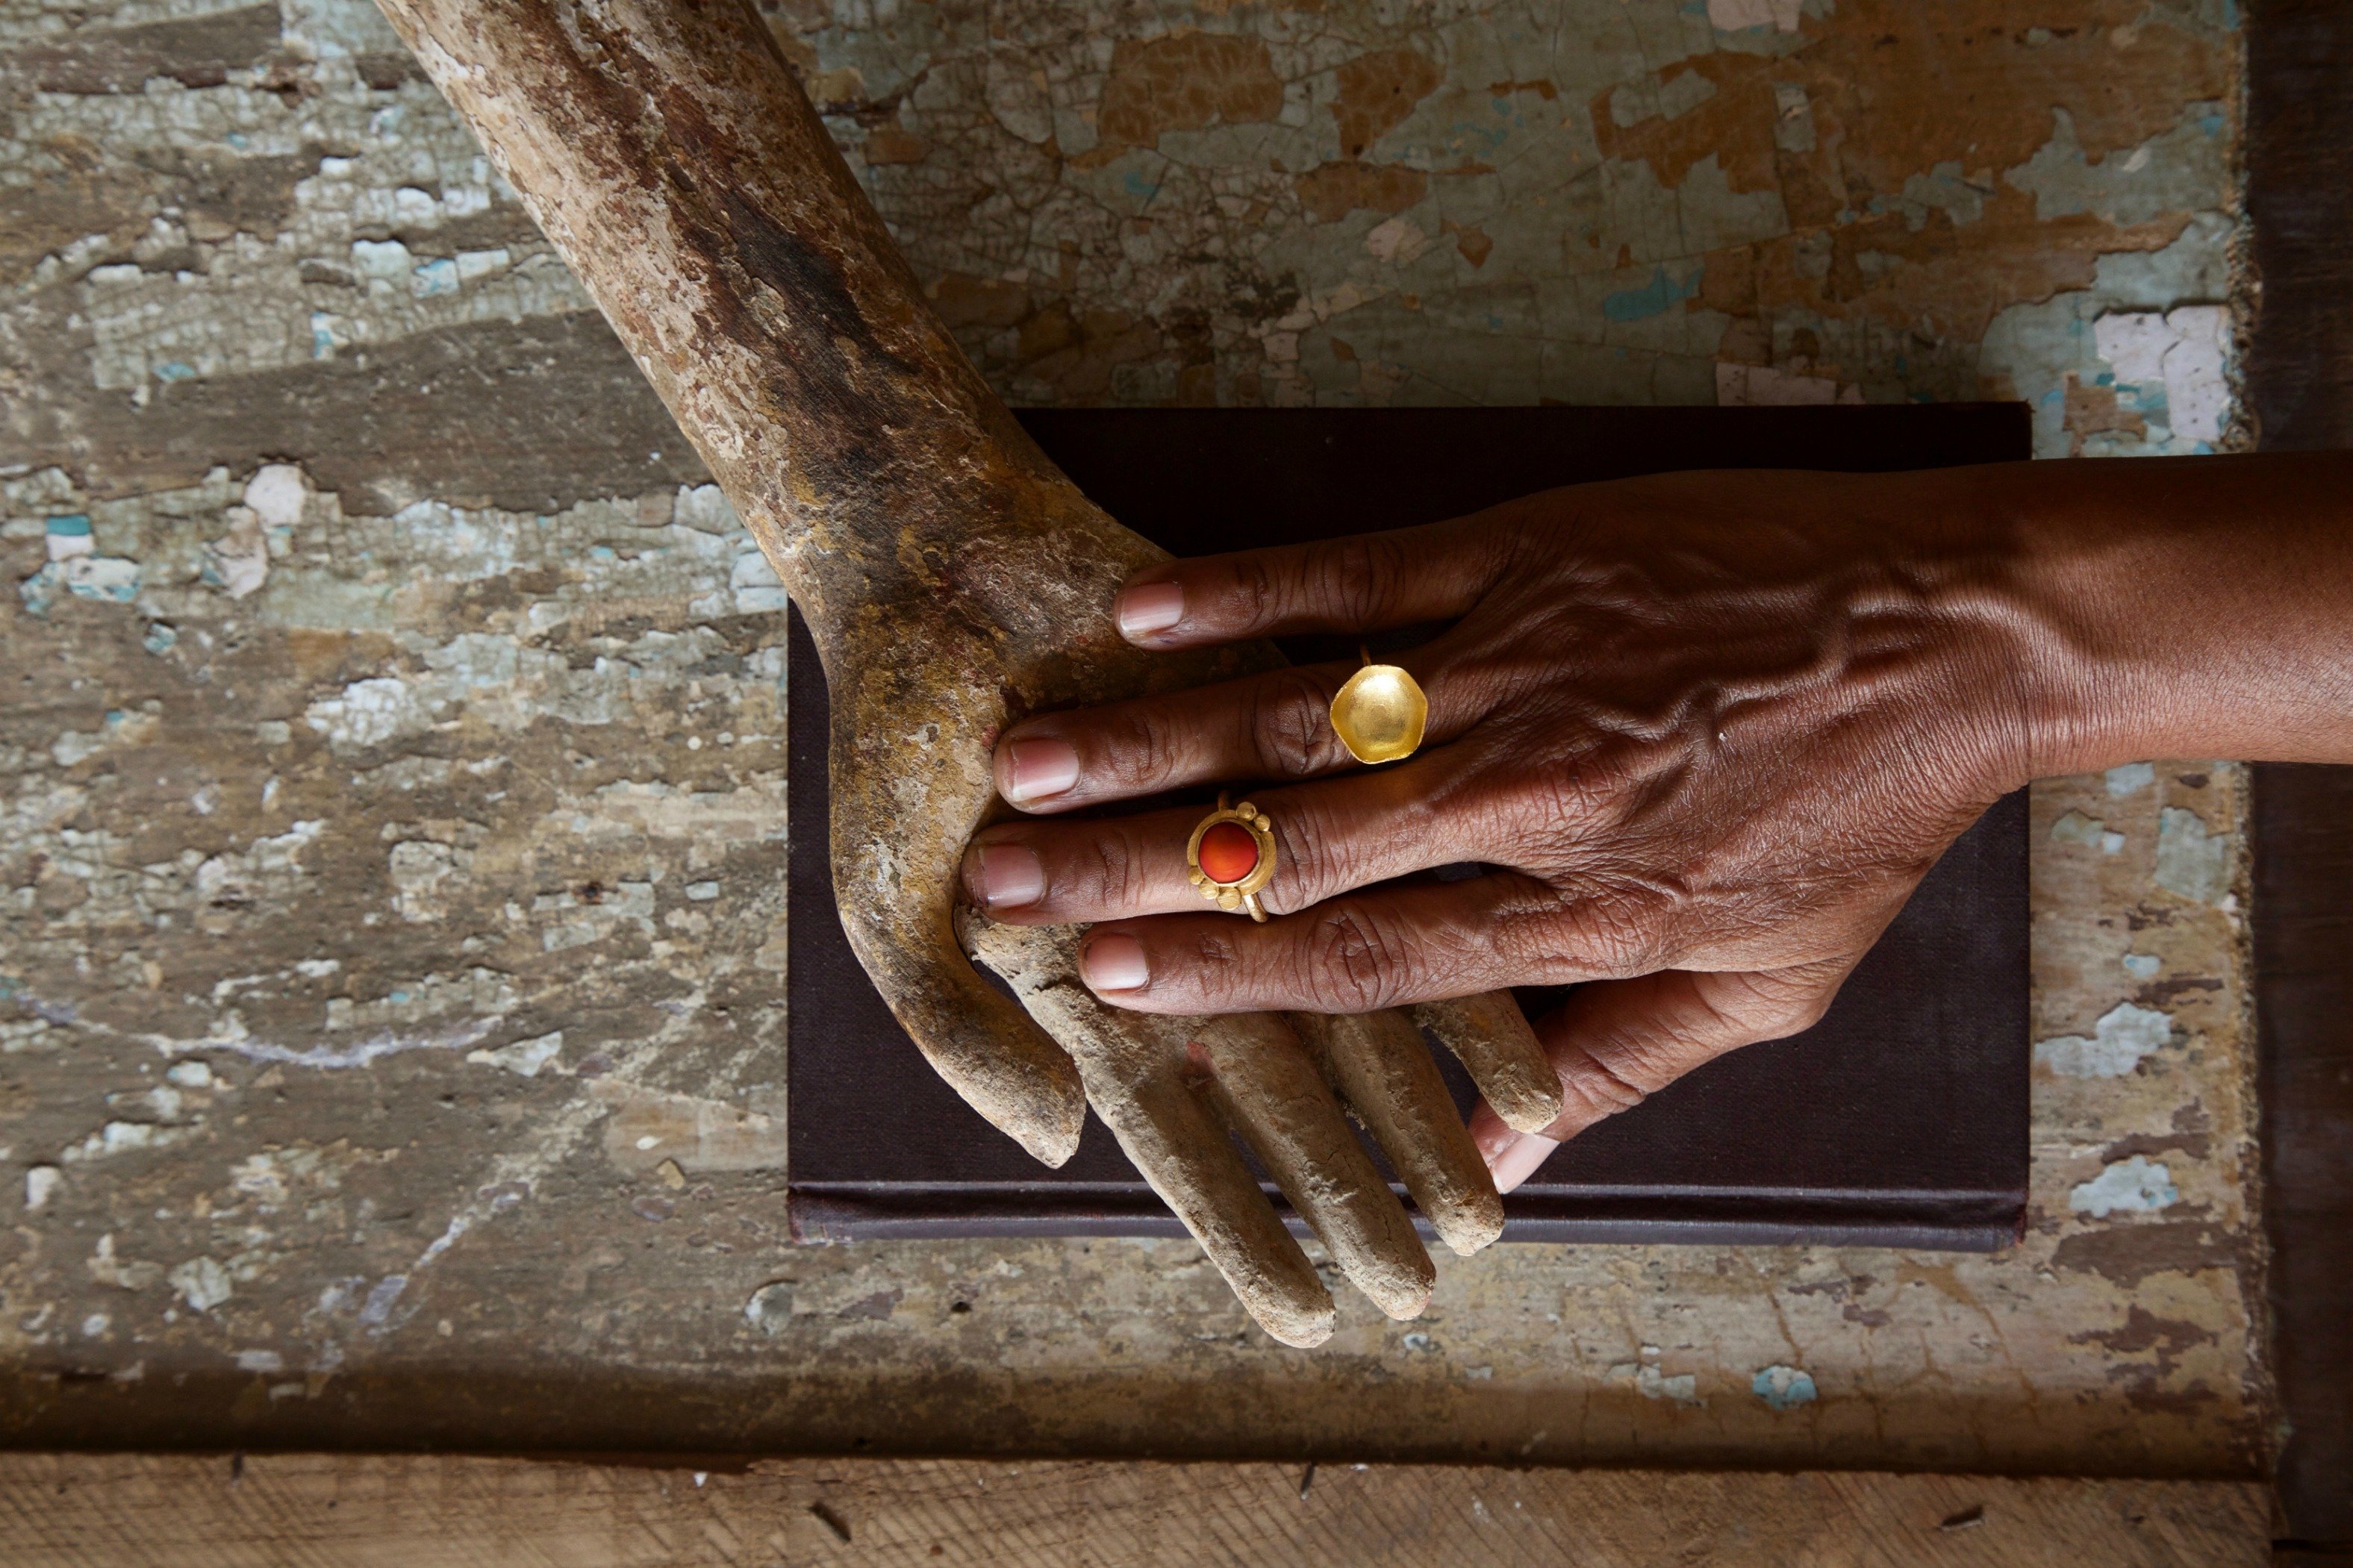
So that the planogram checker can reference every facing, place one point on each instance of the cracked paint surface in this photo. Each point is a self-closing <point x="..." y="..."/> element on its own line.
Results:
<point x="392" y="778"/>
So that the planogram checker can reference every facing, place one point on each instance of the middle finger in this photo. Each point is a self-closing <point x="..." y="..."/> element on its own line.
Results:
<point x="1274" y="725"/>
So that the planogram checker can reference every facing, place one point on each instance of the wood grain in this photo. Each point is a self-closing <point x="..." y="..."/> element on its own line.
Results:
<point x="2300" y="196"/>
<point x="423" y="1512"/>
<point x="2303" y="999"/>
<point x="2299" y="180"/>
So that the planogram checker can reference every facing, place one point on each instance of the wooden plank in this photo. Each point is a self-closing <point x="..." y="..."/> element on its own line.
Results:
<point x="2304" y="998"/>
<point x="2300" y="388"/>
<point x="423" y="1511"/>
<point x="2300" y="196"/>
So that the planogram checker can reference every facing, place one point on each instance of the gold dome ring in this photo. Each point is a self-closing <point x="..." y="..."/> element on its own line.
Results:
<point x="1380" y="715"/>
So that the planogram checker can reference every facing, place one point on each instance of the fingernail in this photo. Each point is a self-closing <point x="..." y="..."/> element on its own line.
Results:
<point x="1518" y="1163"/>
<point x="1040" y="768"/>
<point x="1489" y="1131"/>
<point x="1005" y="876"/>
<point x="1150" y="607"/>
<point x="1114" y="963"/>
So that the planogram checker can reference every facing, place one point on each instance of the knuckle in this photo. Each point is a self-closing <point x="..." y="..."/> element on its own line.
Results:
<point x="1287" y="727"/>
<point x="1353" y="579"/>
<point x="1254" y="586"/>
<point x="1766" y="1006"/>
<point x="1313" y="856"/>
<point x="1143" y="749"/>
<point x="1587" y="937"/>
<point x="1353" y="959"/>
<point x="1212" y="970"/>
<point x="1114" y="866"/>
<point x="1598" y="1087"/>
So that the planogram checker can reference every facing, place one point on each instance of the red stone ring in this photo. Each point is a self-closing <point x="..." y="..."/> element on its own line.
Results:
<point x="1231" y="854"/>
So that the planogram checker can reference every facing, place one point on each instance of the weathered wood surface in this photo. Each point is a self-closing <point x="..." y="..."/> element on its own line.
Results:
<point x="2300" y="197"/>
<point x="2303" y="942"/>
<point x="2300" y="389"/>
<point x="457" y="784"/>
<point x="72" y="1510"/>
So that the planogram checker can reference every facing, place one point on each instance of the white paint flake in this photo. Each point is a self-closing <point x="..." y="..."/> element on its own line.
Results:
<point x="524" y="1059"/>
<point x="121" y="1273"/>
<point x="2191" y="861"/>
<point x="2136" y="1186"/>
<point x="2075" y="827"/>
<point x="1651" y="1384"/>
<point x="2184" y="352"/>
<point x="2124" y="1035"/>
<point x="274" y="495"/>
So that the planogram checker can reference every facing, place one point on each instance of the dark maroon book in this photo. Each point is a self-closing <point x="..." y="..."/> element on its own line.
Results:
<point x="1900" y="1119"/>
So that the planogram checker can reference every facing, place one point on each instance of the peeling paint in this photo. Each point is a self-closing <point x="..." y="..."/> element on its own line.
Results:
<point x="298" y="293"/>
<point x="2191" y="861"/>
<point x="2125" y="1035"/>
<point x="1784" y="1387"/>
<point x="2135" y="1186"/>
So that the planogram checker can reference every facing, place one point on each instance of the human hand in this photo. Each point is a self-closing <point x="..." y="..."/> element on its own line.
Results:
<point x="1704" y="732"/>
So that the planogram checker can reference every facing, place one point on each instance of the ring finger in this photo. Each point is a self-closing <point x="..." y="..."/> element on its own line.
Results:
<point x="1329" y="836"/>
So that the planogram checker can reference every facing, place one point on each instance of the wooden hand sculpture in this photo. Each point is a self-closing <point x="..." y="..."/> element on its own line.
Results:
<point x="954" y="579"/>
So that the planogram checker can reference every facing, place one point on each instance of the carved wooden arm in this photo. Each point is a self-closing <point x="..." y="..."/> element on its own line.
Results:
<point x="953" y="579"/>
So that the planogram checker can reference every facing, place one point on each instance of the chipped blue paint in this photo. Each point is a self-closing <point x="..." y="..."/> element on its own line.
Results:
<point x="1489" y="137"/>
<point x="1656" y="298"/>
<point x="176" y="370"/>
<point x="439" y="276"/>
<point x="110" y="579"/>
<point x="160" y="638"/>
<point x="1784" y="1387"/>
<point x="70" y="525"/>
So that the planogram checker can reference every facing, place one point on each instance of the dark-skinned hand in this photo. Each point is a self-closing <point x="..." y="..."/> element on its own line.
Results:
<point x="1702" y="734"/>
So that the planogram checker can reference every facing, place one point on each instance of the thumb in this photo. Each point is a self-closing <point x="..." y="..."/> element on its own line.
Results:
<point x="1615" y="1043"/>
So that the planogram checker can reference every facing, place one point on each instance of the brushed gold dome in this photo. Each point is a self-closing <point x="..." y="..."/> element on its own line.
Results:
<point x="1380" y="715"/>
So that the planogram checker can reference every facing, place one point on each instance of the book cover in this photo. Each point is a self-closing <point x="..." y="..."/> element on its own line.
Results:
<point x="1900" y="1119"/>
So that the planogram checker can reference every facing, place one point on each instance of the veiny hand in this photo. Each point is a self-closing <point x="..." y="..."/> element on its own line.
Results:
<point x="1703" y="732"/>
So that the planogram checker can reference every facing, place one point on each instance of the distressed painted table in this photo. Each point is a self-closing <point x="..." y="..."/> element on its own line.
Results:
<point x="392" y="781"/>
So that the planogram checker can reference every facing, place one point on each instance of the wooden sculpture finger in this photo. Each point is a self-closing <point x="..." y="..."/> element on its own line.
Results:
<point x="1137" y="1080"/>
<point x="1274" y="1094"/>
<point x="1379" y="1065"/>
<point x="1488" y="1034"/>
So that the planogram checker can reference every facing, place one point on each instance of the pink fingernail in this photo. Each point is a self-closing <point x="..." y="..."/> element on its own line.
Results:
<point x="1038" y="768"/>
<point x="1006" y="876"/>
<point x="1114" y="963"/>
<point x="1518" y="1163"/>
<point x="1492" y="1136"/>
<point x="1150" y="607"/>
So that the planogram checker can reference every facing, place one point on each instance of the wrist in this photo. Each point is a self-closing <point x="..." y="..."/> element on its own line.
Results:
<point x="2170" y="607"/>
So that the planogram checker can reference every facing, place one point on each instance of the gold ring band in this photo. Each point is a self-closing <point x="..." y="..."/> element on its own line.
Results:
<point x="1232" y="857"/>
<point x="1380" y="715"/>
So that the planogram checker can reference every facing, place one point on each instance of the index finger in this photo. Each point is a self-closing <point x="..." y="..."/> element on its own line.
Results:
<point x="1364" y="583"/>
